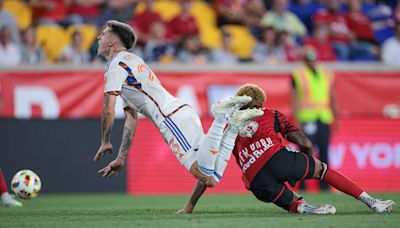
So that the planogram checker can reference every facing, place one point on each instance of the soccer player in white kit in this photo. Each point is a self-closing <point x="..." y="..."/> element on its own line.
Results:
<point x="127" y="75"/>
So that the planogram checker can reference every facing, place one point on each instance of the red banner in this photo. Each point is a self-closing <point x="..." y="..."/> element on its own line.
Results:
<point x="78" y="94"/>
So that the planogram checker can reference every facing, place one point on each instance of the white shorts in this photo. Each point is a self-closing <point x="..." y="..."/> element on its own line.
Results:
<point x="183" y="131"/>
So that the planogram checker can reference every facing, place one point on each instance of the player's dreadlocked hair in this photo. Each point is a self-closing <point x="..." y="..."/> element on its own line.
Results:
<point x="255" y="92"/>
<point x="124" y="32"/>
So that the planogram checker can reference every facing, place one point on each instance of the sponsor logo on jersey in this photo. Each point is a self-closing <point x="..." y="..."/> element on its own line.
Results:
<point x="249" y="130"/>
<point x="253" y="152"/>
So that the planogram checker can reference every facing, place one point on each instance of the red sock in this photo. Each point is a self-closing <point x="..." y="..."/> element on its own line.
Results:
<point x="3" y="185"/>
<point x="342" y="183"/>
<point x="293" y="206"/>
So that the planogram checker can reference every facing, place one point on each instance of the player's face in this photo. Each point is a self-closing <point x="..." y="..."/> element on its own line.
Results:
<point x="104" y="41"/>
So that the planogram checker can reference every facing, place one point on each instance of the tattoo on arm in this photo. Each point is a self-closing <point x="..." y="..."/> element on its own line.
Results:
<point x="107" y="121"/>
<point x="130" y="126"/>
<point x="127" y="137"/>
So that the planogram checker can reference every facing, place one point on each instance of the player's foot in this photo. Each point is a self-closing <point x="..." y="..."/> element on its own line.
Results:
<point x="228" y="107"/>
<point x="316" y="209"/>
<point x="381" y="206"/>
<point x="8" y="200"/>
<point x="241" y="117"/>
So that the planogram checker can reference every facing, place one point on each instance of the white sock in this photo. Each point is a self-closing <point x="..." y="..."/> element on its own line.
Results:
<point x="366" y="198"/>
<point x="209" y="145"/>
<point x="225" y="151"/>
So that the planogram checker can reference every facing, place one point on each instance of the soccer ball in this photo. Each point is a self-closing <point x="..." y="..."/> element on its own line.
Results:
<point x="26" y="184"/>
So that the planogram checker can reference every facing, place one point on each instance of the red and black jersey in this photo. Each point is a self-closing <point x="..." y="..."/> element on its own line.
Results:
<point x="259" y="140"/>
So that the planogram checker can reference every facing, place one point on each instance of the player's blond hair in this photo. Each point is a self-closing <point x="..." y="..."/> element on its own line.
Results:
<point x="255" y="92"/>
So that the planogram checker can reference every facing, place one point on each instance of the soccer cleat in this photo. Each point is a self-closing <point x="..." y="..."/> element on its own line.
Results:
<point x="381" y="206"/>
<point x="8" y="200"/>
<point x="241" y="117"/>
<point x="316" y="209"/>
<point x="228" y="107"/>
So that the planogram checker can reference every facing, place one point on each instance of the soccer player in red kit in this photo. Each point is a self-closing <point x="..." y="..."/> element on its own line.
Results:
<point x="267" y="161"/>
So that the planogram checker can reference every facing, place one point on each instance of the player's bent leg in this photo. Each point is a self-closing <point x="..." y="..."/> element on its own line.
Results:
<point x="208" y="180"/>
<point x="346" y="185"/>
<point x="209" y="146"/>
<point x="225" y="151"/>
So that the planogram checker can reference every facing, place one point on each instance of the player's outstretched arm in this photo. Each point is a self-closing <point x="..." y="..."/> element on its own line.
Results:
<point x="107" y="122"/>
<point x="115" y="166"/>
<point x="197" y="192"/>
<point x="131" y="122"/>
<point x="301" y="140"/>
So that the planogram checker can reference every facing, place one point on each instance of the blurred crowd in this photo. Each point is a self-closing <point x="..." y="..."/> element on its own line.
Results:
<point x="203" y="31"/>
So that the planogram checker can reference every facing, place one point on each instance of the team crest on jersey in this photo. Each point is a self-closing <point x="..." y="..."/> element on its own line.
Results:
<point x="249" y="129"/>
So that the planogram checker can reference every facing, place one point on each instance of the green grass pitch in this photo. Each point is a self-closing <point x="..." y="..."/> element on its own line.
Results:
<point x="119" y="210"/>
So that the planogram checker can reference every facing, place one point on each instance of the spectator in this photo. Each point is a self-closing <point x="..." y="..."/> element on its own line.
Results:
<point x="142" y="20"/>
<point x="391" y="49"/>
<point x="340" y="33"/>
<point x="362" y="30"/>
<point x="73" y="53"/>
<point x="157" y="48"/>
<point x="396" y="13"/>
<point x="283" y="20"/>
<point x="191" y="51"/>
<point x="50" y="11"/>
<point x="292" y="52"/>
<point x="240" y="12"/>
<point x="268" y="51"/>
<point x="85" y="11"/>
<point x="344" y="40"/>
<point x="30" y="52"/>
<point x="224" y="55"/>
<point x="121" y="10"/>
<point x="381" y="19"/>
<point x="8" y="20"/>
<point x="10" y="54"/>
<point x="305" y="10"/>
<point x="320" y="43"/>
<point x="183" y="24"/>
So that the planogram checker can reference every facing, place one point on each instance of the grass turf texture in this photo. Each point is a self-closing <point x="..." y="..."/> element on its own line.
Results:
<point x="118" y="210"/>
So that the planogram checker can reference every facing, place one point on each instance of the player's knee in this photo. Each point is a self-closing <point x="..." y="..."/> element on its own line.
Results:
<point x="320" y="169"/>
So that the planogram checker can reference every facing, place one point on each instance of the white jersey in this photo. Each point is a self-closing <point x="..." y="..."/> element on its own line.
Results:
<point x="128" y="75"/>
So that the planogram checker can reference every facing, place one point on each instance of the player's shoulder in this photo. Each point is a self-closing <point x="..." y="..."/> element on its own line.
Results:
<point x="268" y="111"/>
<point x="125" y="58"/>
<point x="129" y="56"/>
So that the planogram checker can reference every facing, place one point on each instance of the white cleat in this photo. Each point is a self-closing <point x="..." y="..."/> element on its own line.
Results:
<point x="381" y="206"/>
<point x="8" y="200"/>
<point x="241" y="117"/>
<point x="316" y="209"/>
<point x="228" y="107"/>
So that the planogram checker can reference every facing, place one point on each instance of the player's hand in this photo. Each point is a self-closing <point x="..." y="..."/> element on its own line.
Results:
<point x="113" y="167"/>
<point x="104" y="148"/>
<point x="185" y="211"/>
